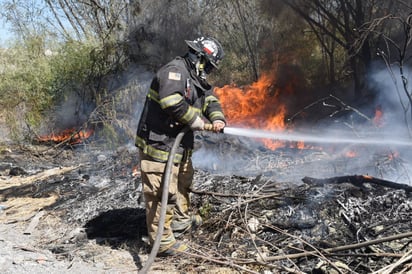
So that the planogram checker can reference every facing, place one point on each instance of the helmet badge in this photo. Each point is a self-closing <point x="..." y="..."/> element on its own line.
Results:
<point x="210" y="48"/>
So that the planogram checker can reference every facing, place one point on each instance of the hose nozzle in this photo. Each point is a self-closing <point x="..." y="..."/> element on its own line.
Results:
<point x="209" y="127"/>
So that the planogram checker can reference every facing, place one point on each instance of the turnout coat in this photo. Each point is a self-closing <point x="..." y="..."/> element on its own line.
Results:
<point x="175" y="98"/>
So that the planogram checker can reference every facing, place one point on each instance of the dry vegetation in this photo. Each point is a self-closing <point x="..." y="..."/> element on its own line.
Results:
<point x="91" y="216"/>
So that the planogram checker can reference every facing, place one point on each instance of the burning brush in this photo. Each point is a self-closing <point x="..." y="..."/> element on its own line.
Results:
<point x="70" y="136"/>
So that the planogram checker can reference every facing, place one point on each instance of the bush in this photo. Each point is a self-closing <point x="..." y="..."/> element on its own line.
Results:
<point x="25" y="91"/>
<point x="35" y="78"/>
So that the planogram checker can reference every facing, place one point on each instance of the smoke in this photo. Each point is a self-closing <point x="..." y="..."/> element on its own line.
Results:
<point x="391" y="97"/>
<point x="130" y="89"/>
<point x="72" y="112"/>
<point x="248" y="156"/>
<point x="372" y="138"/>
<point x="113" y="115"/>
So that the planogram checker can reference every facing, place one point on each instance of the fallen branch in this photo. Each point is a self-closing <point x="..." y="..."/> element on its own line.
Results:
<point x="253" y="196"/>
<point x="390" y="268"/>
<point x="380" y="254"/>
<point x="231" y="263"/>
<point x="29" y="249"/>
<point x="340" y="248"/>
<point x="357" y="180"/>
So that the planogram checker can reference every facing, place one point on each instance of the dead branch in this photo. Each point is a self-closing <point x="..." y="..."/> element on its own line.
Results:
<point x="317" y="252"/>
<point x="347" y="107"/>
<point x="29" y="249"/>
<point x="340" y="248"/>
<point x="306" y="108"/>
<point x="226" y="262"/>
<point x="250" y="196"/>
<point x="246" y="202"/>
<point x="380" y="254"/>
<point x="357" y="180"/>
<point x="390" y="268"/>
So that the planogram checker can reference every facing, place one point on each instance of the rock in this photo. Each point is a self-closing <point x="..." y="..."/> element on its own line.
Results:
<point x="253" y="224"/>
<point x="101" y="158"/>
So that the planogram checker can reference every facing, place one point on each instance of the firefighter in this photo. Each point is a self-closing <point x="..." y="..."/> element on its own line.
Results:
<point x="179" y="96"/>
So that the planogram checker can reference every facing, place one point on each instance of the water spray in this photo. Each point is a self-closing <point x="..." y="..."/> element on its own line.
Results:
<point x="322" y="137"/>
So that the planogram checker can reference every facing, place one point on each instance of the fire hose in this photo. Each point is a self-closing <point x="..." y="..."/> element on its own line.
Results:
<point x="165" y="194"/>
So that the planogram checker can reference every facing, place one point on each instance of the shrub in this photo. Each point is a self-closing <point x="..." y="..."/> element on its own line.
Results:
<point x="25" y="91"/>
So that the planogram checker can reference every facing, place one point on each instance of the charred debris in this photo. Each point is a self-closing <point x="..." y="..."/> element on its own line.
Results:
<point x="282" y="211"/>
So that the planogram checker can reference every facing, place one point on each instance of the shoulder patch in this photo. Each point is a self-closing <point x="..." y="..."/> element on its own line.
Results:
<point x="174" y="76"/>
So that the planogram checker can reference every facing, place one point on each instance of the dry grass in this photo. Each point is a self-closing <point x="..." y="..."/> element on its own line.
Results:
<point x="22" y="209"/>
<point x="19" y="181"/>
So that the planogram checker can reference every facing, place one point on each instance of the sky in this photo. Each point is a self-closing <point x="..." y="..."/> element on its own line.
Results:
<point x="35" y="7"/>
<point x="5" y="34"/>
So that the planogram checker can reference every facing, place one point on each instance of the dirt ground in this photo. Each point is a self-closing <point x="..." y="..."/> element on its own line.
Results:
<point x="25" y="250"/>
<point x="21" y="253"/>
<point x="62" y="211"/>
<point x="38" y="251"/>
<point x="35" y="237"/>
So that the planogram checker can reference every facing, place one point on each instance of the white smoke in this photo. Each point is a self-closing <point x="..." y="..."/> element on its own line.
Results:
<point x="386" y="154"/>
<point x="392" y="96"/>
<point x="131" y="88"/>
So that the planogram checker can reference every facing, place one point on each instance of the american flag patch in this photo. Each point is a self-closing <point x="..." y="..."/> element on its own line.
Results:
<point x="174" y="76"/>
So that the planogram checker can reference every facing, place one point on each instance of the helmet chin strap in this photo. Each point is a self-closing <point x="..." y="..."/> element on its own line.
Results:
<point x="201" y="69"/>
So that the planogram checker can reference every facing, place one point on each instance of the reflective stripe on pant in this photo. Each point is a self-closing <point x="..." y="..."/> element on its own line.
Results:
<point x="178" y="200"/>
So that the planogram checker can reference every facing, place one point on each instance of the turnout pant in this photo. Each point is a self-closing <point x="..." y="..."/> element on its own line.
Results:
<point x="178" y="199"/>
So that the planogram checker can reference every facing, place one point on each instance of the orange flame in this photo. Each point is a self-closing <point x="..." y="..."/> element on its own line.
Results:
<point x="351" y="154"/>
<point x="393" y="155"/>
<point x="135" y="171"/>
<point x="72" y="136"/>
<point x="378" y="118"/>
<point x="255" y="106"/>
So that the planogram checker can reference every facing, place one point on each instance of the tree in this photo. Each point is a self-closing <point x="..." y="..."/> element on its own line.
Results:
<point x="338" y="23"/>
<point x="158" y="32"/>
<point x="395" y="49"/>
<point x="239" y="25"/>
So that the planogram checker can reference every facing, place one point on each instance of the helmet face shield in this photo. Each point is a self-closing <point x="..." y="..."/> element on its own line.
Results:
<point x="208" y="47"/>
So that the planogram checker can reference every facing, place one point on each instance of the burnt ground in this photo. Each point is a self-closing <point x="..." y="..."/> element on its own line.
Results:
<point x="79" y="210"/>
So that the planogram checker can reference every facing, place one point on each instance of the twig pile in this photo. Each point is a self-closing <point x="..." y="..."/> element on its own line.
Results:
<point x="254" y="225"/>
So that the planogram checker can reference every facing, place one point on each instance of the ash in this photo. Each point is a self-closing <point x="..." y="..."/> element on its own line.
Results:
<point x="80" y="209"/>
